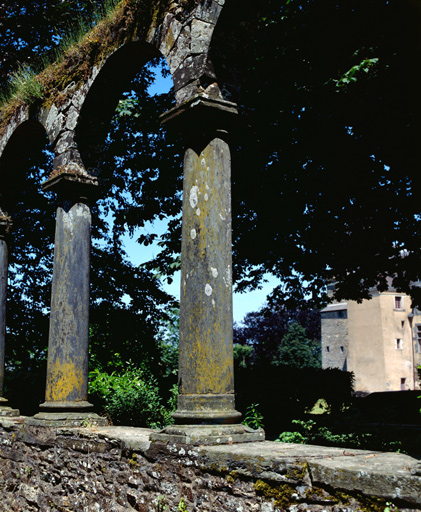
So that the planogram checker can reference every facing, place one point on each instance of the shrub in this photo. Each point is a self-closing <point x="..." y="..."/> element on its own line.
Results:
<point x="130" y="397"/>
<point x="253" y="418"/>
<point x="308" y="432"/>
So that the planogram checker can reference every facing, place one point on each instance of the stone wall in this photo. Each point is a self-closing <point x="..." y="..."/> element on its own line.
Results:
<point x="118" y="469"/>
<point x="335" y="339"/>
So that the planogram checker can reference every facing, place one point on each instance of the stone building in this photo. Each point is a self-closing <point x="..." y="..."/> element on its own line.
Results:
<point x="379" y="340"/>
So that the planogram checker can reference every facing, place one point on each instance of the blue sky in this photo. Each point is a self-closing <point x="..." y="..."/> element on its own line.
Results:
<point x="242" y="302"/>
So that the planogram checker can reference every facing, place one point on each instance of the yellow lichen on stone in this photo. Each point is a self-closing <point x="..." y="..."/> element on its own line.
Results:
<point x="280" y="493"/>
<point x="63" y="379"/>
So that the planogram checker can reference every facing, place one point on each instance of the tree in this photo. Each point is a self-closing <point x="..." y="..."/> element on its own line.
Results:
<point x="297" y="350"/>
<point x="329" y="128"/>
<point x="274" y="335"/>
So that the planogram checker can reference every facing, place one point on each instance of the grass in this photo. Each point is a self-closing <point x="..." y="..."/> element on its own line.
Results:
<point x="25" y="85"/>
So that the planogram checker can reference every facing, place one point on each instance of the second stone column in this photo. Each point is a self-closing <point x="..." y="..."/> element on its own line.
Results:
<point x="206" y="406"/>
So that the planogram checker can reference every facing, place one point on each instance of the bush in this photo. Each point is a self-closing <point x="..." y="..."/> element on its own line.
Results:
<point x="309" y="432"/>
<point x="131" y="397"/>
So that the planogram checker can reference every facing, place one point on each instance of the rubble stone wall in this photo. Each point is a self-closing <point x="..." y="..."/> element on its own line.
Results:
<point x="118" y="469"/>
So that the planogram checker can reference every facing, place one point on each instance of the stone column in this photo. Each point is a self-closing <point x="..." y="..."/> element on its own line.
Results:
<point x="4" y="263"/>
<point x="206" y="411"/>
<point x="66" y="395"/>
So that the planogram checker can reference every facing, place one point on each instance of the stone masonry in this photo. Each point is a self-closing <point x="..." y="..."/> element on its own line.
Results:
<point x="118" y="469"/>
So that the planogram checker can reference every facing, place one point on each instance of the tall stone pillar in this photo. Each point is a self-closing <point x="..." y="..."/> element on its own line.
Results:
<point x="4" y="263"/>
<point x="66" y="395"/>
<point x="206" y="411"/>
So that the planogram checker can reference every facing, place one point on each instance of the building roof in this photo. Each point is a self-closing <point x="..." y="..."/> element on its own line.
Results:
<point x="340" y="306"/>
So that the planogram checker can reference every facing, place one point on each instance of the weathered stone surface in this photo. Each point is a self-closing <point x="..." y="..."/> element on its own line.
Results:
<point x="20" y="117"/>
<point x="72" y="118"/>
<point x="67" y="368"/>
<point x="179" y="52"/>
<point x="201" y="33"/>
<point x="65" y="142"/>
<point x="117" y="468"/>
<point x="386" y="475"/>
<point x="199" y="435"/>
<point x="54" y="123"/>
<point x="209" y="11"/>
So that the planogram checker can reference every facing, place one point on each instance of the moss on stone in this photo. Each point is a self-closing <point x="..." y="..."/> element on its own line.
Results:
<point x="281" y="494"/>
<point x="297" y="473"/>
<point x="366" y="503"/>
<point x="232" y="477"/>
<point x="133" y="460"/>
<point x="129" y="20"/>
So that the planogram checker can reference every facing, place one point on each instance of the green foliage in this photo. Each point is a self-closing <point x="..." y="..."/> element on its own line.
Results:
<point x="296" y="392"/>
<point x="253" y="418"/>
<point x="182" y="507"/>
<point x="291" y="211"/>
<point x="161" y="504"/>
<point x="297" y="350"/>
<point x="291" y="437"/>
<point x="242" y="354"/>
<point x="130" y="397"/>
<point x="340" y="67"/>
<point x="352" y="74"/>
<point x="24" y="85"/>
<point x="264" y="331"/>
<point x="309" y="432"/>
<point x="127" y="302"/>
<point x="168" y="335"/>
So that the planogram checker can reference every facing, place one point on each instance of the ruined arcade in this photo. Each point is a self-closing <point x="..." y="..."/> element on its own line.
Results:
<point x="79" y="100"/>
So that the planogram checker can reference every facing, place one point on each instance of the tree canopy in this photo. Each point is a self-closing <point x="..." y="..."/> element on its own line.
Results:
<point x="325" y="174"/>
<point x="280" y="337"/>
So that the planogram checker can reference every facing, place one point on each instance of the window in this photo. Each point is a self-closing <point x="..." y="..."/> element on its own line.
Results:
<point x="418" y="335"/>
<point x="398" y="344"/>
<point x="342" y="348"/>
<point x="398" y="302"/>
<point x="403" y="380"/>
<point x="327" y="349"/>
<point x="403" y="324"/>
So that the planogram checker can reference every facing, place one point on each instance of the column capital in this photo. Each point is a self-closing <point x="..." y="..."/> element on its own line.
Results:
<point x="212" y="114"/>
<point x="71" y="183"/>
<point x="5" y="224"/>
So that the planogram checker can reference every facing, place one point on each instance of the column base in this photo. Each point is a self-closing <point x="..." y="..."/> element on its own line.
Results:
<point x="207" y="434"/>
<point x="66" y="419"/>
<point x="59" y="407"/>
<point x="206" y="410"/>
<point x="5" y="410"/>
<point x="8" y="411"/>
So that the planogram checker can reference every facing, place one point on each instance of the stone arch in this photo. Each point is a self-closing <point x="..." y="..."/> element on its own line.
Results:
<point x="27" y="138"/>
<point x="101" y="100"/>
<point x="180" y="33"/>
